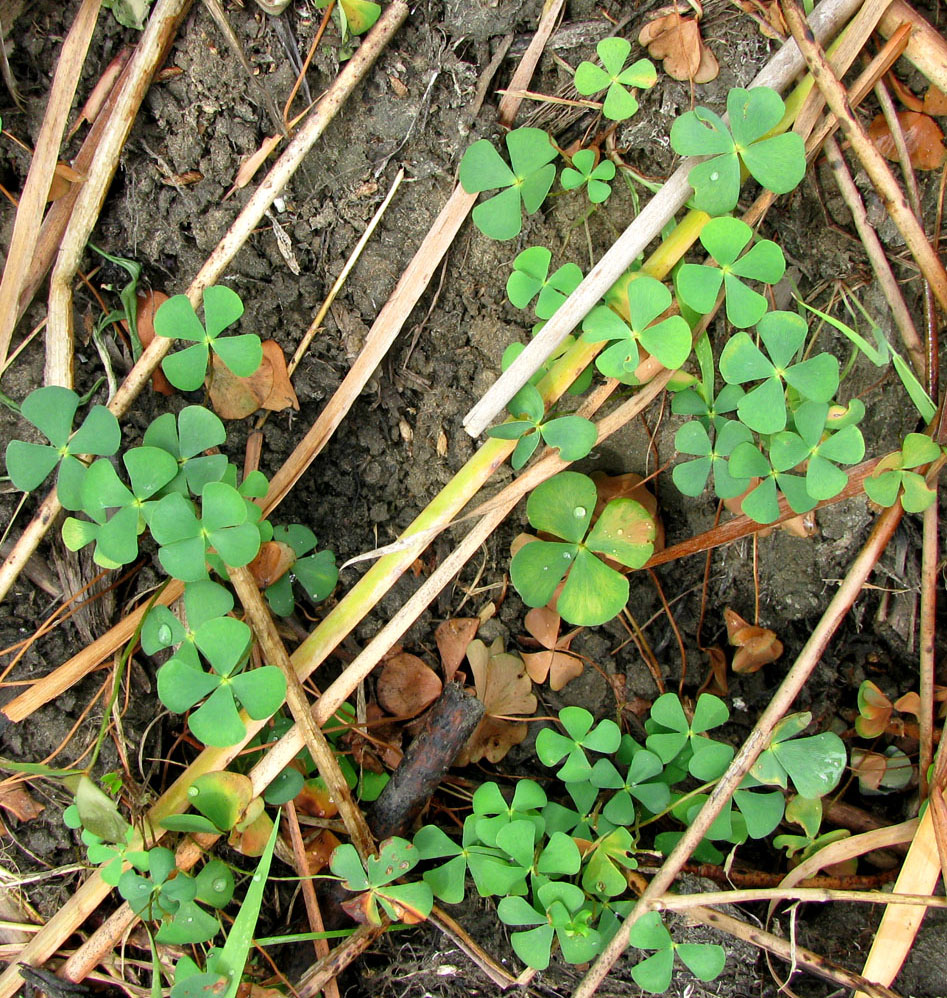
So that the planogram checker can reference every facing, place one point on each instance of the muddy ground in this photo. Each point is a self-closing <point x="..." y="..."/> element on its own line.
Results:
<point x="389" y="457"/>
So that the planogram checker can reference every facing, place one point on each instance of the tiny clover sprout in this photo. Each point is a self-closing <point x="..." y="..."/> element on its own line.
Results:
<point x="603" y="864"/>
<point x="176" y="319"/>
<point x="195" y="430"/>
<point x="173" y="900"/>
<point x="375" y="883"/>
<point x="225" y="643"/>
<point x="51" y="410"/>
<point x="109" y="839"/>
<point x="822" y="451"/>
<point x="671" y="732"/>
<point x="573" y="435"/>
<point x="782" y="333"/>
<point x="777" y="162"/>
<point x="762" y="503"/>
<point x="561" y="912"/>
<point x="620" y="103"/>
<point x="710" y="456"/>
<point x="185" y="540"/>
<point x="725" y="239"/>
<point x="526" y="185"/>
<point x="531" y="276"/>
<point x="552" y="747"/>
<point x="669" y="340"/>
<point x="116" y="536"/>
<point x="637" y="783"/>
<point x="593" y="592"/>
<point x="585" y="171"/>
<point x="704" y="960"/>
<point x="814" y="764"/>
<point x="893" y="476"/>
<point x="316" y="573"/>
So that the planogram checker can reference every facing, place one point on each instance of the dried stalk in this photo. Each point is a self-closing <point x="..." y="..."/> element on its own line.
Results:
<point x="755" y="743"/>
<point x="777" y="73"/>
<point x="927" y="47"/>
<point x="29" y="213"/>
<point x="329" y="967"/>
<point x="877" y="169"/>
<point x="818" y="895"/>
<point x="510" y="103"/>
<point x="928" y="627"/>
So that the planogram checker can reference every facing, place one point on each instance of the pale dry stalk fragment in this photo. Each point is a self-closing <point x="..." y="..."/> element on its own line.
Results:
<point x="875" y="166"/>
<point x="282" y="171"/>
<point x="927" y="47"/>
<point x="329" y="967"/>
<point x="876" y="256"/>
<point x="928" y="632"/>
<point x="29" y="216"/>
<point x="755" y="743"/>
<point x="777" y="73"/>
<point x="510" y="102"/>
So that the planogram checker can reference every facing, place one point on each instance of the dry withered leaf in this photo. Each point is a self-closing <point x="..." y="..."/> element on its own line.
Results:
<point x="935" y="102"/>
<point x="554" y="661"/>
<point x="148" y="303"/>
<point x="252" y="163"/>
<point x="315" y="800"/>
<point x="64" y="179"/>
<point x="505" y="689"/>
<point x="677" y="42"/>
<point x="16" y="799"/>
<point x="452" y="637"/>
<point x="101" y="90"/>
<point x="756" y="646"/>
<point x="268" y="388"/>
<point x="922" y="136"/>
<point x="319" y="850"/>
<point x="768" y="16"/>
<point x="406" y="685"/>
<point x="628" y="486"/>
<point x="875" y="710"/>
<point x="185" y="179"/>
<point x="716" y="681"/>
<point x="271" y="563"/>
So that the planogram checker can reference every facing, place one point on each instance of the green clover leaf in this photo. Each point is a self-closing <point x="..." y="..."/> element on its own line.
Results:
<point x="711" y="457"/>
<point x="195" y="430"/>
<point x="893" y="477"/>
<point x="585" y="171"/>
<point x="316" y="573"/>
<point x="620" y="103"/>
<point x="530" y="277"/>
<point x="762" y="504"/>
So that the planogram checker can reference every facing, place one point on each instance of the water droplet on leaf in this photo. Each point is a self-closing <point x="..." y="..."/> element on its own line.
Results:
<point x="219" y="884"/>
<point x="164" y="634"/>
<point x="579" y="512"/>
<point x="715" y="175"/>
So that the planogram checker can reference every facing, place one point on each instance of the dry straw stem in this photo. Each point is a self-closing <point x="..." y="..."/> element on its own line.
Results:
<point x="510" y="102"/>
<point x="755" y="743"/>
<point x="29" y="213"/>
<point x="875" y="166"/>
<point x="818" y="895"/>
<point x="798" y="957"/>
<point x="274" y="652"/>
<point x="163" y="20"/>
<point x="876" y="256"/>
<point x="778" y="73"/>
<point x="928" y="633"/>
<point x="329" y="967"/>
<point x="927" y="47"/>
<point x="215" y="266"/>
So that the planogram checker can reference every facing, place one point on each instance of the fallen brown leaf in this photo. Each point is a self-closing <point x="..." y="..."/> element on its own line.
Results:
<point x="319" y="850"/>
<point x="272" y="562"/>
<point x="101" y="90"/>
<point x="16" y="799"/>
<point x="252" y="163"/>
<point x="268" y="388"/>
<point x="148" y="303"/>
<point x="554" y="661"/>
<point x="922" y="136"/>
<point x="452" y="637"/>
<point x="677" y="42"/>
<point x="935" y="102"/>
<point x="768" y="16"/>
<point x="757" y="646"/>
<point x="504" y="688"/>
<point x="406" y="685"/>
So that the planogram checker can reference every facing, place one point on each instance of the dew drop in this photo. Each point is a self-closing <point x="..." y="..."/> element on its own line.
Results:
<point x="620" y="532"/>
<point x="219" y="884"/>
<point x="579" y="512"/>
<point x="256" y="878"/>
<point x="545" y="568"/>
<point x="164" y="634"/>
<point x="566" y="555"/>
<point x="715" y="175"/>
<point x="189" y="919"/>
<point x="192" y="791"/>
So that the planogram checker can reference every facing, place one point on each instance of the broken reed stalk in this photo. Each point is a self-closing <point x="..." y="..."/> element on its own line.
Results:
<point x="777" y="73"/>
<point x="789" y="951"/>
<point x="874" y="163"/>
<point x="163" y="20"/>
<point x="755" y="743"/>
<point x="927" y="47"/>
<point x="928" y="631"/>
<point x="816" y="895"/>
<point x="329" y="967"/>
<point x="274" y="652"/>
<point x="510" y="103"/>
<point x="245" y="223"/>
<point x="876" y="256"/>
<point x="29" y="215"/>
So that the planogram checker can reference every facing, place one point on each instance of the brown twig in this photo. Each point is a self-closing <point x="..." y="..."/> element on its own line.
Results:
<point x="329" y="967"/>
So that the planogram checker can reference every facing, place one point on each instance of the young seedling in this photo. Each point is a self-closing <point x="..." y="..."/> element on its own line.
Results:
<point x="375" y="884"/>
<point x="52" y="410"/>
<point x="704" y="960"/>
<point x="777" y="162"/>
<point x="593" y="592"/>
<point x="523" y="184"/>
<point x="725" y="239"/>
<point x="620" y="102"/>
<point x="186" y="438"/>
<point x="585" y="171"/>
<point x="893" y="477"/>
<point x="763" y="409"/>
<point x="822" y="451"/>
<point x="668" y="340"/>
<point x="176" y="319"/>
<point x="316" y="573"/>
<point x="530" y="276"/>
<point x="574" y="436"/>
<point x="552" y="747"/>
<point x="225" y="643"/>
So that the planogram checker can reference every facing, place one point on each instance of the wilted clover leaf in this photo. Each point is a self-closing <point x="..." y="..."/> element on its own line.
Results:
<point x="51" y="410"/>
<point x="777" y="162"/>
<point x="725" y="239"/>
<point x="524" y="183"/>
<point x="176" y="319"/>
<point x="620" y="103"/>
<point x="593" y="592"/>
<point x="893" y="476"/>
